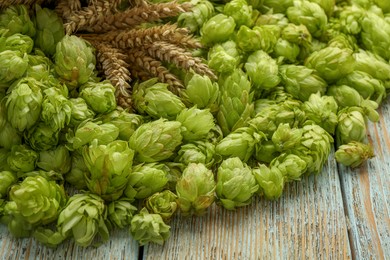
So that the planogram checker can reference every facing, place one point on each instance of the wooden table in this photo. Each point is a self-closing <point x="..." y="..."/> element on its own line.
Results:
<point x="338" y="214"/>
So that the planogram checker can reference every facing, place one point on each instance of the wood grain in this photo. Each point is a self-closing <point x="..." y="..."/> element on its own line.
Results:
<point x="308" y="222"/>
<point x="366" y="193"/>
<point x="120" y="246"/>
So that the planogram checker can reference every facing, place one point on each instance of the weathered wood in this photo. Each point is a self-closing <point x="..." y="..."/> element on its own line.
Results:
<point x="120" y="246"/>
<point x="366" y="193"/>
<point x="308" y="222"/>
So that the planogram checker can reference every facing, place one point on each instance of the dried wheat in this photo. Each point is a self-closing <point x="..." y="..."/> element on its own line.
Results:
<point x="124" y="39"/>
<point x="155" y="68"/>
<point x="180" y="57"/>
<point x="139" y="15"/>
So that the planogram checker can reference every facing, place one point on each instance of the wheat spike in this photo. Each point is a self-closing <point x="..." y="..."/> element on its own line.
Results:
<point x="85" y="18"/>
<point x="138" y="15"/>
<point x="64" y="8"/>
<point x="139" y="37"/>
<point x="180" y="57"/>
<point x="140" y="73"/>
<point x="115" y="69"/>
<point x="155" y="69"/>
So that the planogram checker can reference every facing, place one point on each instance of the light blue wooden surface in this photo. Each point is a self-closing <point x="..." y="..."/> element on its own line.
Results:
<point x="120" y="246"/>
<point x="339" y="214"/>
<point x="366" y="193"/>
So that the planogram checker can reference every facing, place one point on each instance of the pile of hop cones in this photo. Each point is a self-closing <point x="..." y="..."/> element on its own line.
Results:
<point x="130" y="40"/>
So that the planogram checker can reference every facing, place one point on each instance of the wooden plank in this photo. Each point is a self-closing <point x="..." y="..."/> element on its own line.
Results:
<point x="120" y="246"/>
<point x="308" y="222"/>
<point x="366" y="193"/>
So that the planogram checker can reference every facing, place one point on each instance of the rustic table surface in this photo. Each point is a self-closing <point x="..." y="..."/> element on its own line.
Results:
<point x="338" y="214"/>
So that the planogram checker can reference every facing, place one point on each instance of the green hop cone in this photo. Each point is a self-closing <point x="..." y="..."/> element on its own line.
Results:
<point x="195" y="189"/>
<point x="88" y="131"/>
<point x="374" y="65"/>
<point x="345" y="96"/>
<point x="17" y="42"/>
<point x="120" y="212"/>
<point x="125" y="121"/>
<point x="224" y="57"/>
<point x="149" y="228"/>
<point x="279" y="19"/>
<point x="270" y="114"/>
<point x="197" y="152"/>
<point x="79" y="111"/>
<point x="240" y="11"/>
<point x="218" y="28"/>
<point x="109" y="168"/>
<point x="146" y="179"/>
<point x="7" y="180"/>
<point x="278" y="6"/>
<point x="236" y="184"/>
<point x="235" y="105"/>
<point x="354" y="153"/>
<point x="201" y="11"/>
<point x="58" y="160"/>
<point x="351" y="126"/>
<point x="262" y="70"/>
<point x="309" y="14"/>
<point x="290" y="165"/>
<point x="196" y="123"/>
<point x="327" y="5"/>
<point x="100" y="96"/>
<point x="56" y="109"/>
<point x="366" y="85"/>
<point x="17" y="20"/>
<point x="50" y="30"/>
<point x="314" y="148"/>
<point x="270" y="180"/>
<point x="156" y="100"/>
<point x="74" y="61"/>
<point x="156" y="141"/>
<point x="349" y="18"/>
<point x="9" y="136"/>
<point x="248" y="39"/>
<point x="375" y="34"/>
<point x="343" y="41"/>
<point x="38" y="200"/>
<point x="50" y="176"/>
<point x="15" y="221"/>
<point x="12" y="67"/>
<point x="202" y="92"/>
<point x="83" y="219"/>
<point x="78" y="171"/>
<point x="301" y="82"/>
<point x="48" y="237"/>
<point x="40" y="68"/>
<point x="266" y="151"/>
<point x="286" y="50"/>
<point x="41" y="137"/>
<point x="263" y="37"/>
<point x="162" y="203"/>
<point x="239" y="143"/>
<point x="298" y="34"/>
<point x="24" y="102"/>
<point x="322" y="110"/>
<point x="22" y="158"/>
<point x="286" y="138"/>
<point x="331" y="63"/>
